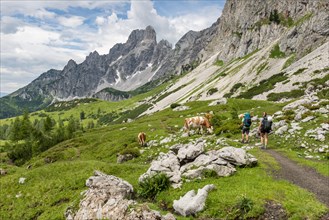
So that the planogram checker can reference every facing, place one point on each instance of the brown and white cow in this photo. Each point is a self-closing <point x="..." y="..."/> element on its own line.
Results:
<point x="142" y="138"/>
<point x="198" y="122"/>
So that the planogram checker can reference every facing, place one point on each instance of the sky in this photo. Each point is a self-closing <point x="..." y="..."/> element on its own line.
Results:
<point x="40" y="35"/>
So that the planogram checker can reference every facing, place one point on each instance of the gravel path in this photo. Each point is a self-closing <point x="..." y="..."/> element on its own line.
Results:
<point x="302" y="176"/>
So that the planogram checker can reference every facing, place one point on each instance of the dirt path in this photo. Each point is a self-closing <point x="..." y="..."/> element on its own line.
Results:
<point x="302" y="176"/>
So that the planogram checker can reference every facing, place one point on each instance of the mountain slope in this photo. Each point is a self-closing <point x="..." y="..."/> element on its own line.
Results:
<point x="251" y="42"/>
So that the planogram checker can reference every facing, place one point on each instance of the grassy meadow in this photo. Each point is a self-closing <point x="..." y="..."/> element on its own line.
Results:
<point x="57" y="176"/>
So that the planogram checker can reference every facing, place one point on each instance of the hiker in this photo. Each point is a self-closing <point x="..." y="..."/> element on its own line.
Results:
<point x="246" y="123"/>
<point x="265" y="128"/>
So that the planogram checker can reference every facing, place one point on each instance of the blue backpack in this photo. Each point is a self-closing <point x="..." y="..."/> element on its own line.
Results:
<point x="247" y="120"/>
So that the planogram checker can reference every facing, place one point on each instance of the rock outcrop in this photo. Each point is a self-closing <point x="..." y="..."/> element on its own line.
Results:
<point x="191" y="161"/>
<point x="109" y="197"/>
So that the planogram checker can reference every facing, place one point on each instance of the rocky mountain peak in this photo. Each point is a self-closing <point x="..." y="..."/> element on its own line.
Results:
<point x="93" y="54"/>
<point x="71" y="64"/>
<point x="138" y="36"/>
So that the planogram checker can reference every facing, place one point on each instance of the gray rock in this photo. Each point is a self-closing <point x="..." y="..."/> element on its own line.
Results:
<point x="181" y="108"/>
<point x="3" y="172"/>
<point x="297" y="103"/>
<point x="165" y="163"/>
<point x="124" y="157"/>
<point x="237" y="156"/>
<point x="222" y="170"/>
<point x="21" y="180"/>
<point x="191" y="202"/>
<point x="282" y="130"/>
<point x="108" y="197"/>
<point x="190" y="151"/>
<point x="308" y="118"/>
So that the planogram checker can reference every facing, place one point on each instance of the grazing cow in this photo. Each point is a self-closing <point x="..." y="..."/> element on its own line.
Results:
<point x="198" y="122"/>
<point x="142" y="138"/>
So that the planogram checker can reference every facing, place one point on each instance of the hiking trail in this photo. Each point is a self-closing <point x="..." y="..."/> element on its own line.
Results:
<point x="303" y="176"/>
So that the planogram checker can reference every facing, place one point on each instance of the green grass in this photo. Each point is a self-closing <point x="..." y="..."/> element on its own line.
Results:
<point x="261" y="67"/>
<point x="219" y="63"/>
<point x="289" y="61"/>
<point x="303" y="19"/>
<point x="264" y="86"/>
<point x="276" y="52"/>
<point x="257" y="185"/>
<point x="291" y="94"/>
<point x="51" y="188"/>
<point x="299" y="71"/>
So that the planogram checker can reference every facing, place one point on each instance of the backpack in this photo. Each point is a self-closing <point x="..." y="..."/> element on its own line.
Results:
<point x="266" y="124"/>
<point x="247" y="120"/>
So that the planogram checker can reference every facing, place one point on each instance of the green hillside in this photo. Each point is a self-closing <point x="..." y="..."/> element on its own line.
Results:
<point x="57" y="176"/>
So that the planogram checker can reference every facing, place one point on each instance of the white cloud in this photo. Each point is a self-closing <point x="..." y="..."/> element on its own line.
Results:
<point x="30" y="47"/>
<point x="72" y="22"/>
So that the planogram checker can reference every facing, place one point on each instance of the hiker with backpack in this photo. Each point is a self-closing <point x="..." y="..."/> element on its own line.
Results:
<point x="246" y="123"/>
<point x="265" y="128"/>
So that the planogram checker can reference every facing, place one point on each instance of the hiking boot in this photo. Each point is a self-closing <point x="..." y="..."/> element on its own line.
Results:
<point x="242" y="141"/>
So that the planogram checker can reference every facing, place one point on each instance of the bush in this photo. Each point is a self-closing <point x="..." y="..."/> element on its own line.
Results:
<point x="209" y="174"/>
<point x="174" y="105"/>
<point x="299" y="71"/>
<point x="264" y="86"/>
<point x="152" y="186"/>
<point x="323" y="94"/>
<point x="20" y="152"/>
<point x="292" y="94"/>
<point x="289" y="115"/>
<point x="233" y="89"/>
<point x="212" y="91"/>
<point x="229" y="126"/>
<point x="223" y="126"/>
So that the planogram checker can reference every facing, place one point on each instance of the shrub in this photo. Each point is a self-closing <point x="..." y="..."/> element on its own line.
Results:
<point x="174" y="105"/>
<point x="323" y="94"/>
<point x="324" y="103"/>
<point x="212" y="91"/>
<point x="233" y="89"/>
<point x="20" y="152"/>
<point x="264" y="86"/>
<point x="229" y="126"/>
<point x="289" y="115"/>
<point x="151" y="186"/>
<point x="209" y="173"/>
<point x="291" y="94"/>
<point x="306" y="114"/>
<point x="299" y="71"/>
<point x="311" y="107"/>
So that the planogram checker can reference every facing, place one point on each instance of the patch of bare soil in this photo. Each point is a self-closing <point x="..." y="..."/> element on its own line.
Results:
<point x="274" y="211"/>
<point x="302" y="176"/>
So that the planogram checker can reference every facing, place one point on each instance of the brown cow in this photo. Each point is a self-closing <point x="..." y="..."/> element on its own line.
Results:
<point x="142" y="138"/>
<point x="198" y="122"/>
